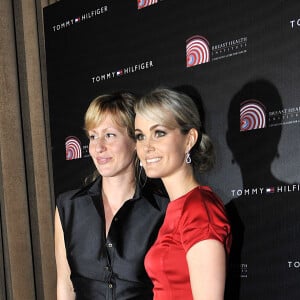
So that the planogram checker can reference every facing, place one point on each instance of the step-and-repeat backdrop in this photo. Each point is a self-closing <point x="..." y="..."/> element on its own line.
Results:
<point x="241" y="61"/>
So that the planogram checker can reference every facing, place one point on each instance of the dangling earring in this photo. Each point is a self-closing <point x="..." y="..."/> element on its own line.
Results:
<point x="188" y="159"/>
<point x="141" y="164"/>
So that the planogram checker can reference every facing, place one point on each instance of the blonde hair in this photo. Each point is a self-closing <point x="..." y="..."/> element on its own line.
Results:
<point x="119" y="105"/>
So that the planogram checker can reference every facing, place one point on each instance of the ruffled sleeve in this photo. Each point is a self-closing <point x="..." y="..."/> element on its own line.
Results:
<point x="203" y="217"/>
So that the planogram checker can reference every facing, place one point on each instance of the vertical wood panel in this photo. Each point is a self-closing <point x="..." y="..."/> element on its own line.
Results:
<point x="2" y="274"/>
<point x="26" y="205"/>
<point x="14" y="205"/>
<point x="36" y="155"/>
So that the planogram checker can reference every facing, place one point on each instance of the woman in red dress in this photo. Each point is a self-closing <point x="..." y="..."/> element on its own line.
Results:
<point x="188" y="259"/>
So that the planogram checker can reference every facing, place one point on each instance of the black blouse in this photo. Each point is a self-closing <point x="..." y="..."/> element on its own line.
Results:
<point x="112" y="267"/>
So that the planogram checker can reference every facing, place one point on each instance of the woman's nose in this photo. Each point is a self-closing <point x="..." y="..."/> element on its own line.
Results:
<point x="99" y="145"/>
<point x="148" y="146"/>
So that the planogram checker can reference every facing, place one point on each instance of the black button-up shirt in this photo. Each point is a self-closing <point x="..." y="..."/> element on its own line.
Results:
<point x="109" y="267"/>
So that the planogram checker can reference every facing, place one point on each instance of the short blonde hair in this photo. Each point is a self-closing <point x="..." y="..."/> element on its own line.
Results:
<point x="119" y="105"/>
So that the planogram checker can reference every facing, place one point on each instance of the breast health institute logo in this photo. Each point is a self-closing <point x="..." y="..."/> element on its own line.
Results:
<point x="252" y="115"/>
<point x="197" y="51"/>
<point x="144" y="3"/>
<point x="73" y="148"/>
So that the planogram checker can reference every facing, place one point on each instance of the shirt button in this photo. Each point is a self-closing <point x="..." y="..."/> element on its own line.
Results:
<point x="110" y="285"/>
<point x="109" y="245"/>
<point x="106" y="268"/>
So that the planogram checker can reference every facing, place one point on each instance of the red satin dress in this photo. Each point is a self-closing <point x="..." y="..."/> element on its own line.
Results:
<point x="196" y="216"/>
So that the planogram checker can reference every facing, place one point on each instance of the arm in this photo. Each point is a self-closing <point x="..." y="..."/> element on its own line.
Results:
<point x="207" y="267"/>
<point x="64" y="284"/>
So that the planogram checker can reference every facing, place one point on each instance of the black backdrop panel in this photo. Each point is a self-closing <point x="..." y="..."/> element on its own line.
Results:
<point x="240" y="61"/>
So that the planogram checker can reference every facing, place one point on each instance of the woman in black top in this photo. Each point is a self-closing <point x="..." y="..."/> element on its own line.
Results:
<point x="103" y="231"/>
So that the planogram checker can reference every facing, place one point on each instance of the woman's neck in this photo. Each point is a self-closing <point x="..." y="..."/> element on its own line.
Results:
<point x="179" y="184"/>
<point x="116" y="190"/>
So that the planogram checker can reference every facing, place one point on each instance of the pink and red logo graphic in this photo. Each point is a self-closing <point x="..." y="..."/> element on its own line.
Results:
<point x="144" y="3"/>
<point x="197" y="51"/>
<point x="73" y="148"/>
<point x="252" y="115"/>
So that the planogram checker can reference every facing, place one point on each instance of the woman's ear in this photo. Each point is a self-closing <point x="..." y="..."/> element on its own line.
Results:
<point x="192" y="138"/>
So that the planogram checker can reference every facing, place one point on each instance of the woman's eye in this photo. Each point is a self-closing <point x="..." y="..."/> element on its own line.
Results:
<point x="109" y="135"/>
<point x="92" y="137"/>
<point x="159" y="133"/>
<point x="139" y="137"/>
